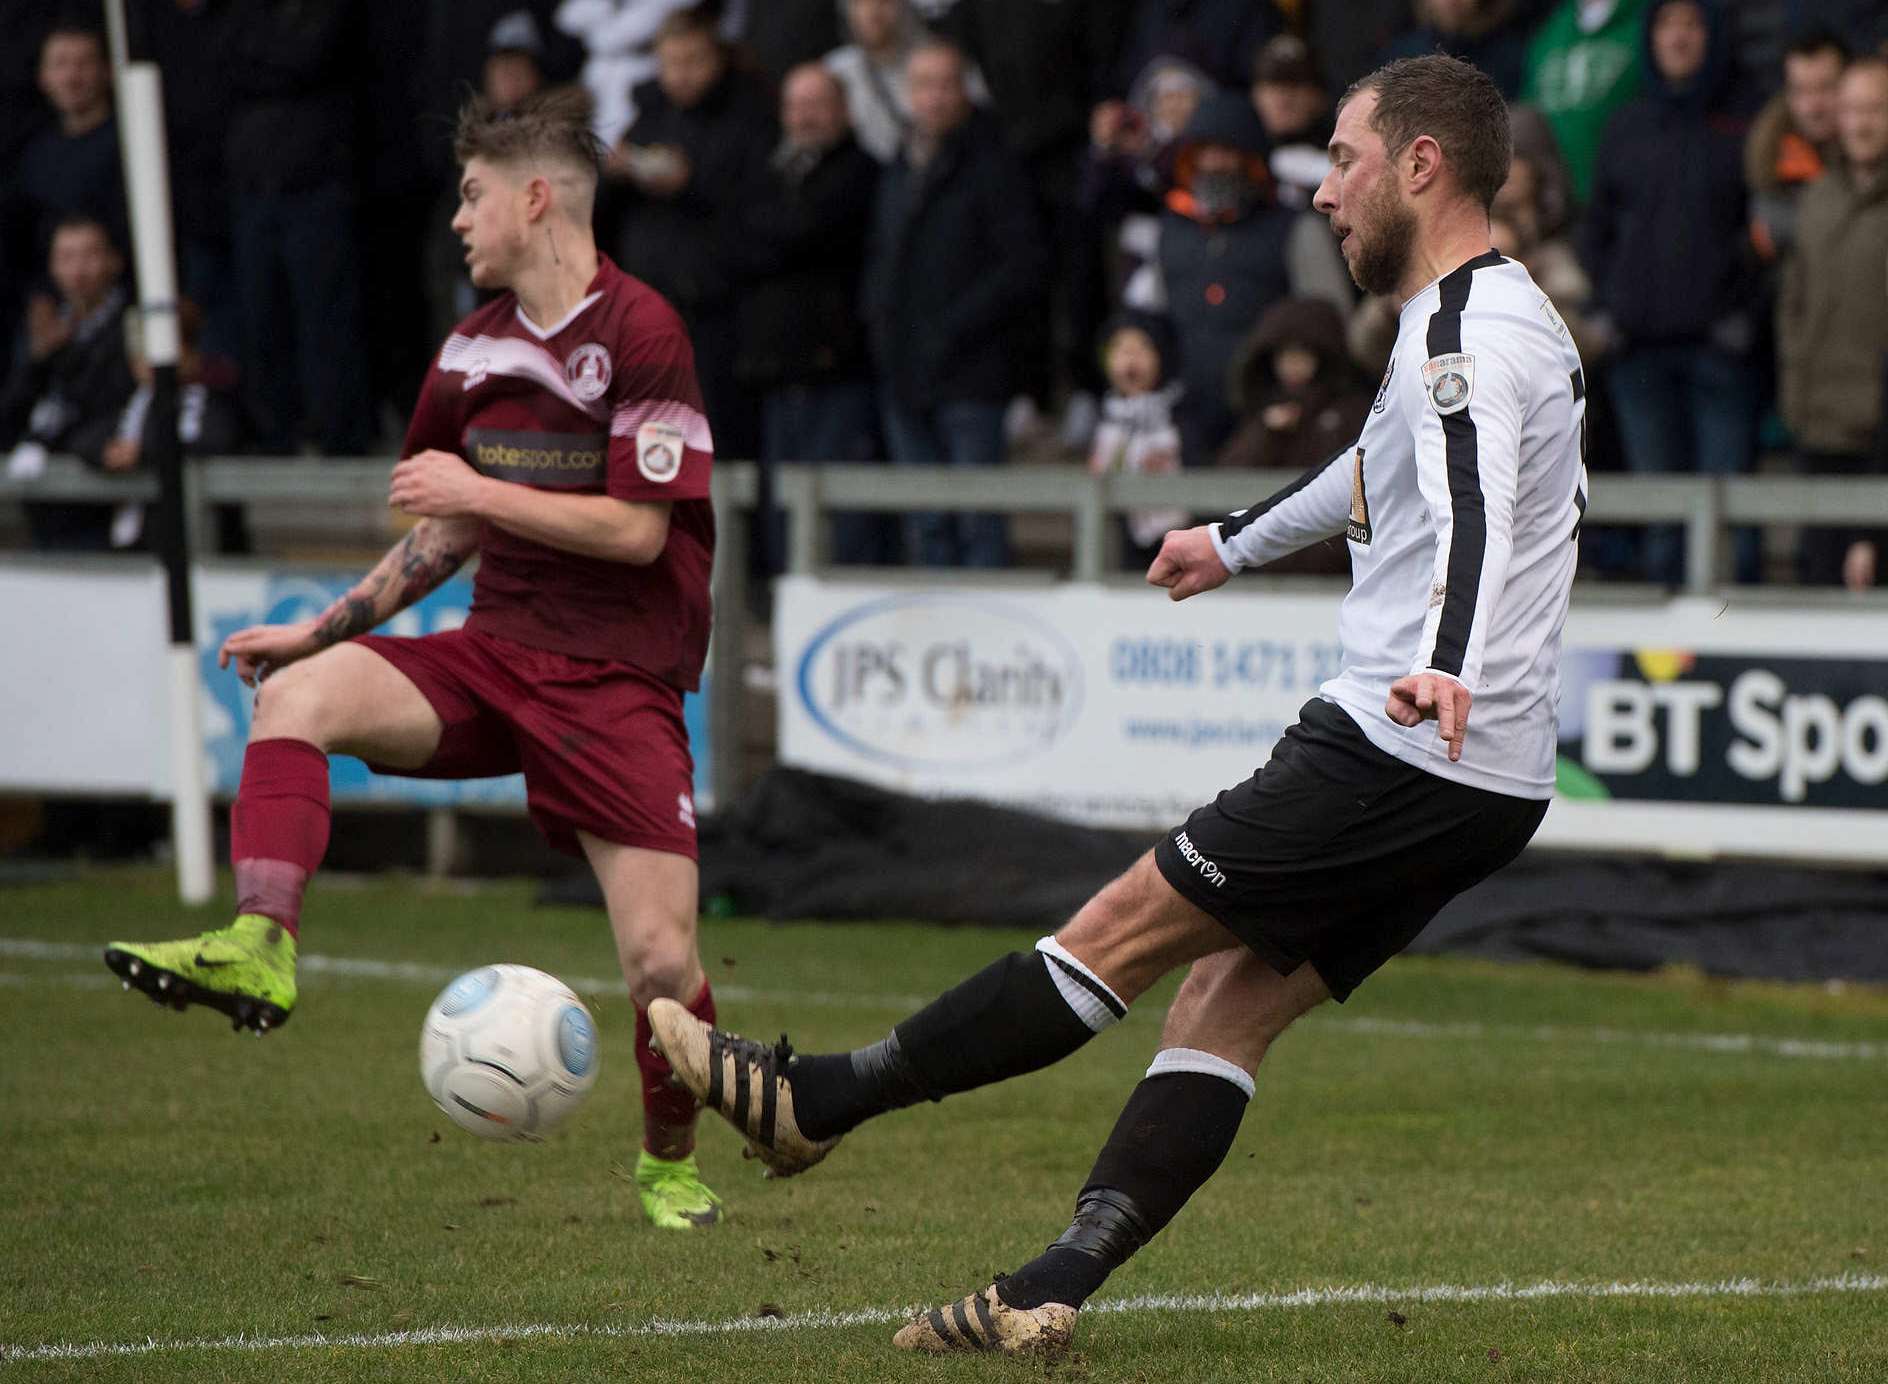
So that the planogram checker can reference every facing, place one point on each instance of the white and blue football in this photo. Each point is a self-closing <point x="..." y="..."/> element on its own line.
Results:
<point x="508" y="1052"/>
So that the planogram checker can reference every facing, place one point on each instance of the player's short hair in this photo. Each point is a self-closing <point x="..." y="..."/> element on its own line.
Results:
<point x="1454" y="103"/>
<point x="550" y="126"/>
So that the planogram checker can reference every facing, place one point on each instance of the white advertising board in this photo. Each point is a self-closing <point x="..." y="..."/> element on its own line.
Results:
<point x="1686" y="727"/>
<point x="82" y="686"/>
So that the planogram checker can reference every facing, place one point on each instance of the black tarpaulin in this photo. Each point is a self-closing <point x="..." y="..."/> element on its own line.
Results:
<point x="807" y="846"/>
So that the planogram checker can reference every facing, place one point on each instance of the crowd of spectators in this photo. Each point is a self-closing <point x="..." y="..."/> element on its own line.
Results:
<point x="939" y="232"/>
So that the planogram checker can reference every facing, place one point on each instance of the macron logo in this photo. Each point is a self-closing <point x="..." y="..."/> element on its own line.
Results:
<point x="1209" y="870"/>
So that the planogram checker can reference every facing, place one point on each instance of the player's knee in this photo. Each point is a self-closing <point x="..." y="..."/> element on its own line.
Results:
<point x="290" y="703"/>
<point x="658" y="964"/>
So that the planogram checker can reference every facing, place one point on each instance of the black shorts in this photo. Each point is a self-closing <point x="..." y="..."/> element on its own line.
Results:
<point x="1337" y="853"/>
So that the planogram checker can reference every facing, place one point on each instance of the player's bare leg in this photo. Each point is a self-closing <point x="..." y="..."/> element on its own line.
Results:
<point x="1176" y="1129"/>
<point x="1019" y="1014"/>
<point x="652" y="902"/>
<point x="347" y="700"/>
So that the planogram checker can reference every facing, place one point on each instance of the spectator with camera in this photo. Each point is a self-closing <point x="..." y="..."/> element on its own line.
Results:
<point x="1128" y="167"/>
<point x="1832" y="314"/>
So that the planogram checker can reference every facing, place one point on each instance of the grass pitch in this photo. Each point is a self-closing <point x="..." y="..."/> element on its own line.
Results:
<point x="1469" y="1172"/>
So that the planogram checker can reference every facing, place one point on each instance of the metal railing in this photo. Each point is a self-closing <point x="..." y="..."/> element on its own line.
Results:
<point x="1706" y="507"/>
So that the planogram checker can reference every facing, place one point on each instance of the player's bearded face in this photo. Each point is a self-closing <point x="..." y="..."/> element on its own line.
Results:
<point x="1383" y="235"/>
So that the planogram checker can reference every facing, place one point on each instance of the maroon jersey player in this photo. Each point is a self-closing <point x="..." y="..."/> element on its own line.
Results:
<point x="560" y="436"/>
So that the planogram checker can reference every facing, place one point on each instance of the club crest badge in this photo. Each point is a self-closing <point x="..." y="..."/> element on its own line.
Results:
<point x="1450" y="382"/>
<point x="587" y="371"/>
<point x="659" y="452"/>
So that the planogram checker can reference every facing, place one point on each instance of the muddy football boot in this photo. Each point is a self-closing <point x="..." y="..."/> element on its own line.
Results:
<point x="745" y="1082"/>
<point x="984" y="1322"/>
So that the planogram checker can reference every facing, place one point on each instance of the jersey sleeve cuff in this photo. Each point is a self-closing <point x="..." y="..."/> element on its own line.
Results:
<point x="1455" y="678"/>
<point x="1223" y="550"/>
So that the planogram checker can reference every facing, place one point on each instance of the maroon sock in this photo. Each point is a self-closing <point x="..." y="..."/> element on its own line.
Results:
<point x="668" y="1110"/>
<point x="278" y="829"/>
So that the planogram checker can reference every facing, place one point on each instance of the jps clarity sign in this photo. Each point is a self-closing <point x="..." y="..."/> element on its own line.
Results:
<point x="940" y="682"/>
<point x="1684" y="726"/>
<point x="1109" y="706"/>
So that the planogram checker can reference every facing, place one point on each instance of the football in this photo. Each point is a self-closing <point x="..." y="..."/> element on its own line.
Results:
<point x="508" y="1052"/>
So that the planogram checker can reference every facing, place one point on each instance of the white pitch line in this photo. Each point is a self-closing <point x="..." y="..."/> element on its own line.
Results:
<point x="1725" y="1043"/>
<point x="1341" y="1295"/>
<point x="420" y="973"/>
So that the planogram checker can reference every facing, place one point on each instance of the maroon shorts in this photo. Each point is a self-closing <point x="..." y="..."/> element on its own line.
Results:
<point x="601" y="744"/>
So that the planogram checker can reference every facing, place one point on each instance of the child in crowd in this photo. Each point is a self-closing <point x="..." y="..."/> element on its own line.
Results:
<point x="1137" y="432"/>
<point x="1300" y="402"/>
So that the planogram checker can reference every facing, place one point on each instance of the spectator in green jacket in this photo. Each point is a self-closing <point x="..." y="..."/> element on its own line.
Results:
<point x="1581" y="67"/>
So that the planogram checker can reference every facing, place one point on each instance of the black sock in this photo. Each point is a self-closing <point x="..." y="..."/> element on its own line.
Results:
<point x="1172" y="1135"/>
<point x="1016" y="1015"/>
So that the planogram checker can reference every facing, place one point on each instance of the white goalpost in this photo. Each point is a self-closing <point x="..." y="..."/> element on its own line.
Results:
<point x="147" y="192"/>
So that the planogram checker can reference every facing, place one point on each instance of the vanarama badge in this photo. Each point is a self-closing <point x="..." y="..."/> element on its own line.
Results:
<point x="588" y="371"/>
<point x="659" y="451"/>
<point x="1450" y="382"/>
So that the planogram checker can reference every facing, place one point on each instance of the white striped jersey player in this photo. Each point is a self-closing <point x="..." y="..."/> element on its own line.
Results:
<point x="1462" y="501"/>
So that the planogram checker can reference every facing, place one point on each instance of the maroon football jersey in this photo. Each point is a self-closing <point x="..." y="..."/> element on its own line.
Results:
<point x="602" y="403"/>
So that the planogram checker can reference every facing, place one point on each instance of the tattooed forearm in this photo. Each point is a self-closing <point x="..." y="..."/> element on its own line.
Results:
<point x="347" y="617"/>
<point x="418" y="563"/>
<point x="427" y="558"/>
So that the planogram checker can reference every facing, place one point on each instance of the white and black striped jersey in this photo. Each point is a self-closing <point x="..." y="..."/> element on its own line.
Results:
<point x="1462" y="501"/>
